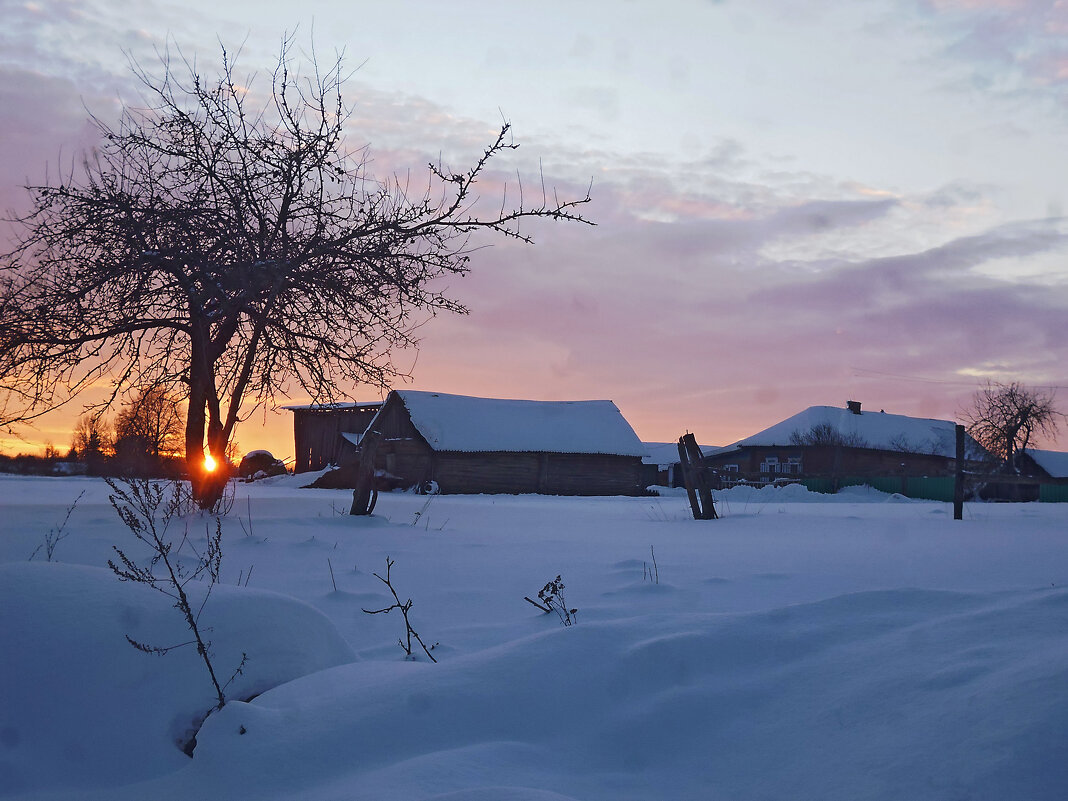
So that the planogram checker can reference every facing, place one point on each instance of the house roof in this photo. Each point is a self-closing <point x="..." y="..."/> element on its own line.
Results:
<point x="475" y="425"/>
<point x="1053" y="462"/>
<point x="331" y="407"/>
<point x="879" y="430"/>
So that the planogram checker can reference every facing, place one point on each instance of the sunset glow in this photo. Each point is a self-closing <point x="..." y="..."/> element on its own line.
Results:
<point x="795" y="206"/>
<point x="209" y="463"/>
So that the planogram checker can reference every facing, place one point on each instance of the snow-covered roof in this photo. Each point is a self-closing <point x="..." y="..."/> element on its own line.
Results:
<point x="879" y="430"/>
<point x="1053" y="462"/>
<point x="473" y="425"/>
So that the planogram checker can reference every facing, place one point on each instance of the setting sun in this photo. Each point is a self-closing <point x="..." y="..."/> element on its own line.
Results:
<point x="209" y="463"/>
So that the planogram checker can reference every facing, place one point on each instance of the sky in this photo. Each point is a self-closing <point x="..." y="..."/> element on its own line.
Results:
<point x="795" y="204"/>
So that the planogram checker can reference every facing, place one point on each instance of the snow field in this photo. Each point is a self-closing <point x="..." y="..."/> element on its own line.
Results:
<point x="860" y="646"/>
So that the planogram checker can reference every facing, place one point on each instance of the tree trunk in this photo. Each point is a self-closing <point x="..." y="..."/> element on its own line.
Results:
<point x="208" y="485"/>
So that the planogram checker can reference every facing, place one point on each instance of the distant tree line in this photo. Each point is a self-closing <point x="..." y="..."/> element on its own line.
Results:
<point x="144" y="440"/>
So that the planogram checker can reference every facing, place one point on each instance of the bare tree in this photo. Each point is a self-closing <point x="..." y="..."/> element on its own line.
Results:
<point x="150" y="425"/>
<point x="226" y="244"/>
<point x="1004" y="418"/>
<point x="91" y="442"/>
<point x="826" y="434"/>
<point x="91" y="439"/>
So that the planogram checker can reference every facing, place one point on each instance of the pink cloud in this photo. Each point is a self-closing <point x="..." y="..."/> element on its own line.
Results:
<point x="672" y="305"/>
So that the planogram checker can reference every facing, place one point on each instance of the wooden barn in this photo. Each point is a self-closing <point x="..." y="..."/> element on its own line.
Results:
<point x="486" y="445"/>
<point x="835" y="443"/>
<point x="1045" y="465"/>
<point x="327" y="434"/>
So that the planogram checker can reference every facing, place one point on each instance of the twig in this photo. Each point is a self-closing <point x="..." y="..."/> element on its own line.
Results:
<point x="404" y="608"/>
<point x="542" y="608"/>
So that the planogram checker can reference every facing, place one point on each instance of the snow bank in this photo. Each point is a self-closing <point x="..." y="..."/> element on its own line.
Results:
<point x="923" y="692"/>
<point x="803" y="646"/>
<point x="87" y="701"/>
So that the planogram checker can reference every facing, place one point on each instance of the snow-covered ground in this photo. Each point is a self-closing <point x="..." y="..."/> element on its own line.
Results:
<point x="861" y="646"/>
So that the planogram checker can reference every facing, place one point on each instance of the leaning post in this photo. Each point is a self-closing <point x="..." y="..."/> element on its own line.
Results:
<point x="687" y="479"/>
<point x="695" y="477"/>
<point x="365" y="495"/>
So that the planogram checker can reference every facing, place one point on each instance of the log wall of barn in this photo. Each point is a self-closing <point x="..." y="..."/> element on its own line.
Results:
<point x="545" y="473"/>
<point x="317" y="435"/>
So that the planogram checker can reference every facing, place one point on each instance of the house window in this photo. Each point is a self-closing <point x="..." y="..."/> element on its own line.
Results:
<point x="770" y="464"/>
<point x="729" y="468"/>
<point x="792" y="466"/>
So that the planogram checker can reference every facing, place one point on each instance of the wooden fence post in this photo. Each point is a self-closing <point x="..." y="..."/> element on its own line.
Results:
<point x="695" y="477"/>
<point x="365" y="495"/>
<point x="958" y="483"/>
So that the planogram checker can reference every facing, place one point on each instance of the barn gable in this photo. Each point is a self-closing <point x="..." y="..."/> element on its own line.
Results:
<point x="324" y="433"/>
<point x="1053" y="463"/>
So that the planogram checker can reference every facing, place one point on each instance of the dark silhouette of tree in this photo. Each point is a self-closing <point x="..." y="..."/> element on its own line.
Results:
<point x="226" y="244"/>
<point x="828" y="435"/>
<point x="1004" y="418"/>
<point x="91" y="442"/>
<point x="147" y="430"/>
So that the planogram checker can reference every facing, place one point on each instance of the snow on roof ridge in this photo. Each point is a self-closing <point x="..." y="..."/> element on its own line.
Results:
<point x="881" y="430"/>
<point x="404" y="392"/>
<point x="470" y="424"/>
<point x="331" y="406"/>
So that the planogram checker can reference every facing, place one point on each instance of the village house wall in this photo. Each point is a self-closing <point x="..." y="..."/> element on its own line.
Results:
<point x="827" y="460"/>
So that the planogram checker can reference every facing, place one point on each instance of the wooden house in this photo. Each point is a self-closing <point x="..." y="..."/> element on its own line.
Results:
<point x="835" y="443"/>
<point x="327" y="434"/>
<point x="463" y="444"/>
<point x="1043" y="463"/>
<point x="1050" y="468"/>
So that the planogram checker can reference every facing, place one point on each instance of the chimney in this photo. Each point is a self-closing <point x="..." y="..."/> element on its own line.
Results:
<point x="853" y="406"/>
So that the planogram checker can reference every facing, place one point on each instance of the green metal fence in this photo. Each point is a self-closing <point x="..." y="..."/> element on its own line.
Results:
<point x="1053" y="493"/>
<point x="938" y="488"/>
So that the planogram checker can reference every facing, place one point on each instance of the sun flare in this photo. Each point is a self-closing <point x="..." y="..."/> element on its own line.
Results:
<point x="209" y="463"/>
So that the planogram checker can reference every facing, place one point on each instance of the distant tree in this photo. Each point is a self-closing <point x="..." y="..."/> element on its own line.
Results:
<point x="150" y="425"/>
<point x="91" y="442"/>
<point x="902" y="444"/>
<point x="826" y="434"/>
<point x="225" y="244"/>
<point x="1005" y="418"/>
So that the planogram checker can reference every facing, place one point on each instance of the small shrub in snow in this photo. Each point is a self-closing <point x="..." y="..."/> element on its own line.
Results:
<point x="146" y="510"/>
<point x="404" y="608"/>
<point x="552" y="595"/>
<point x="57" y="534"/>
<point x="651" y="573"/>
